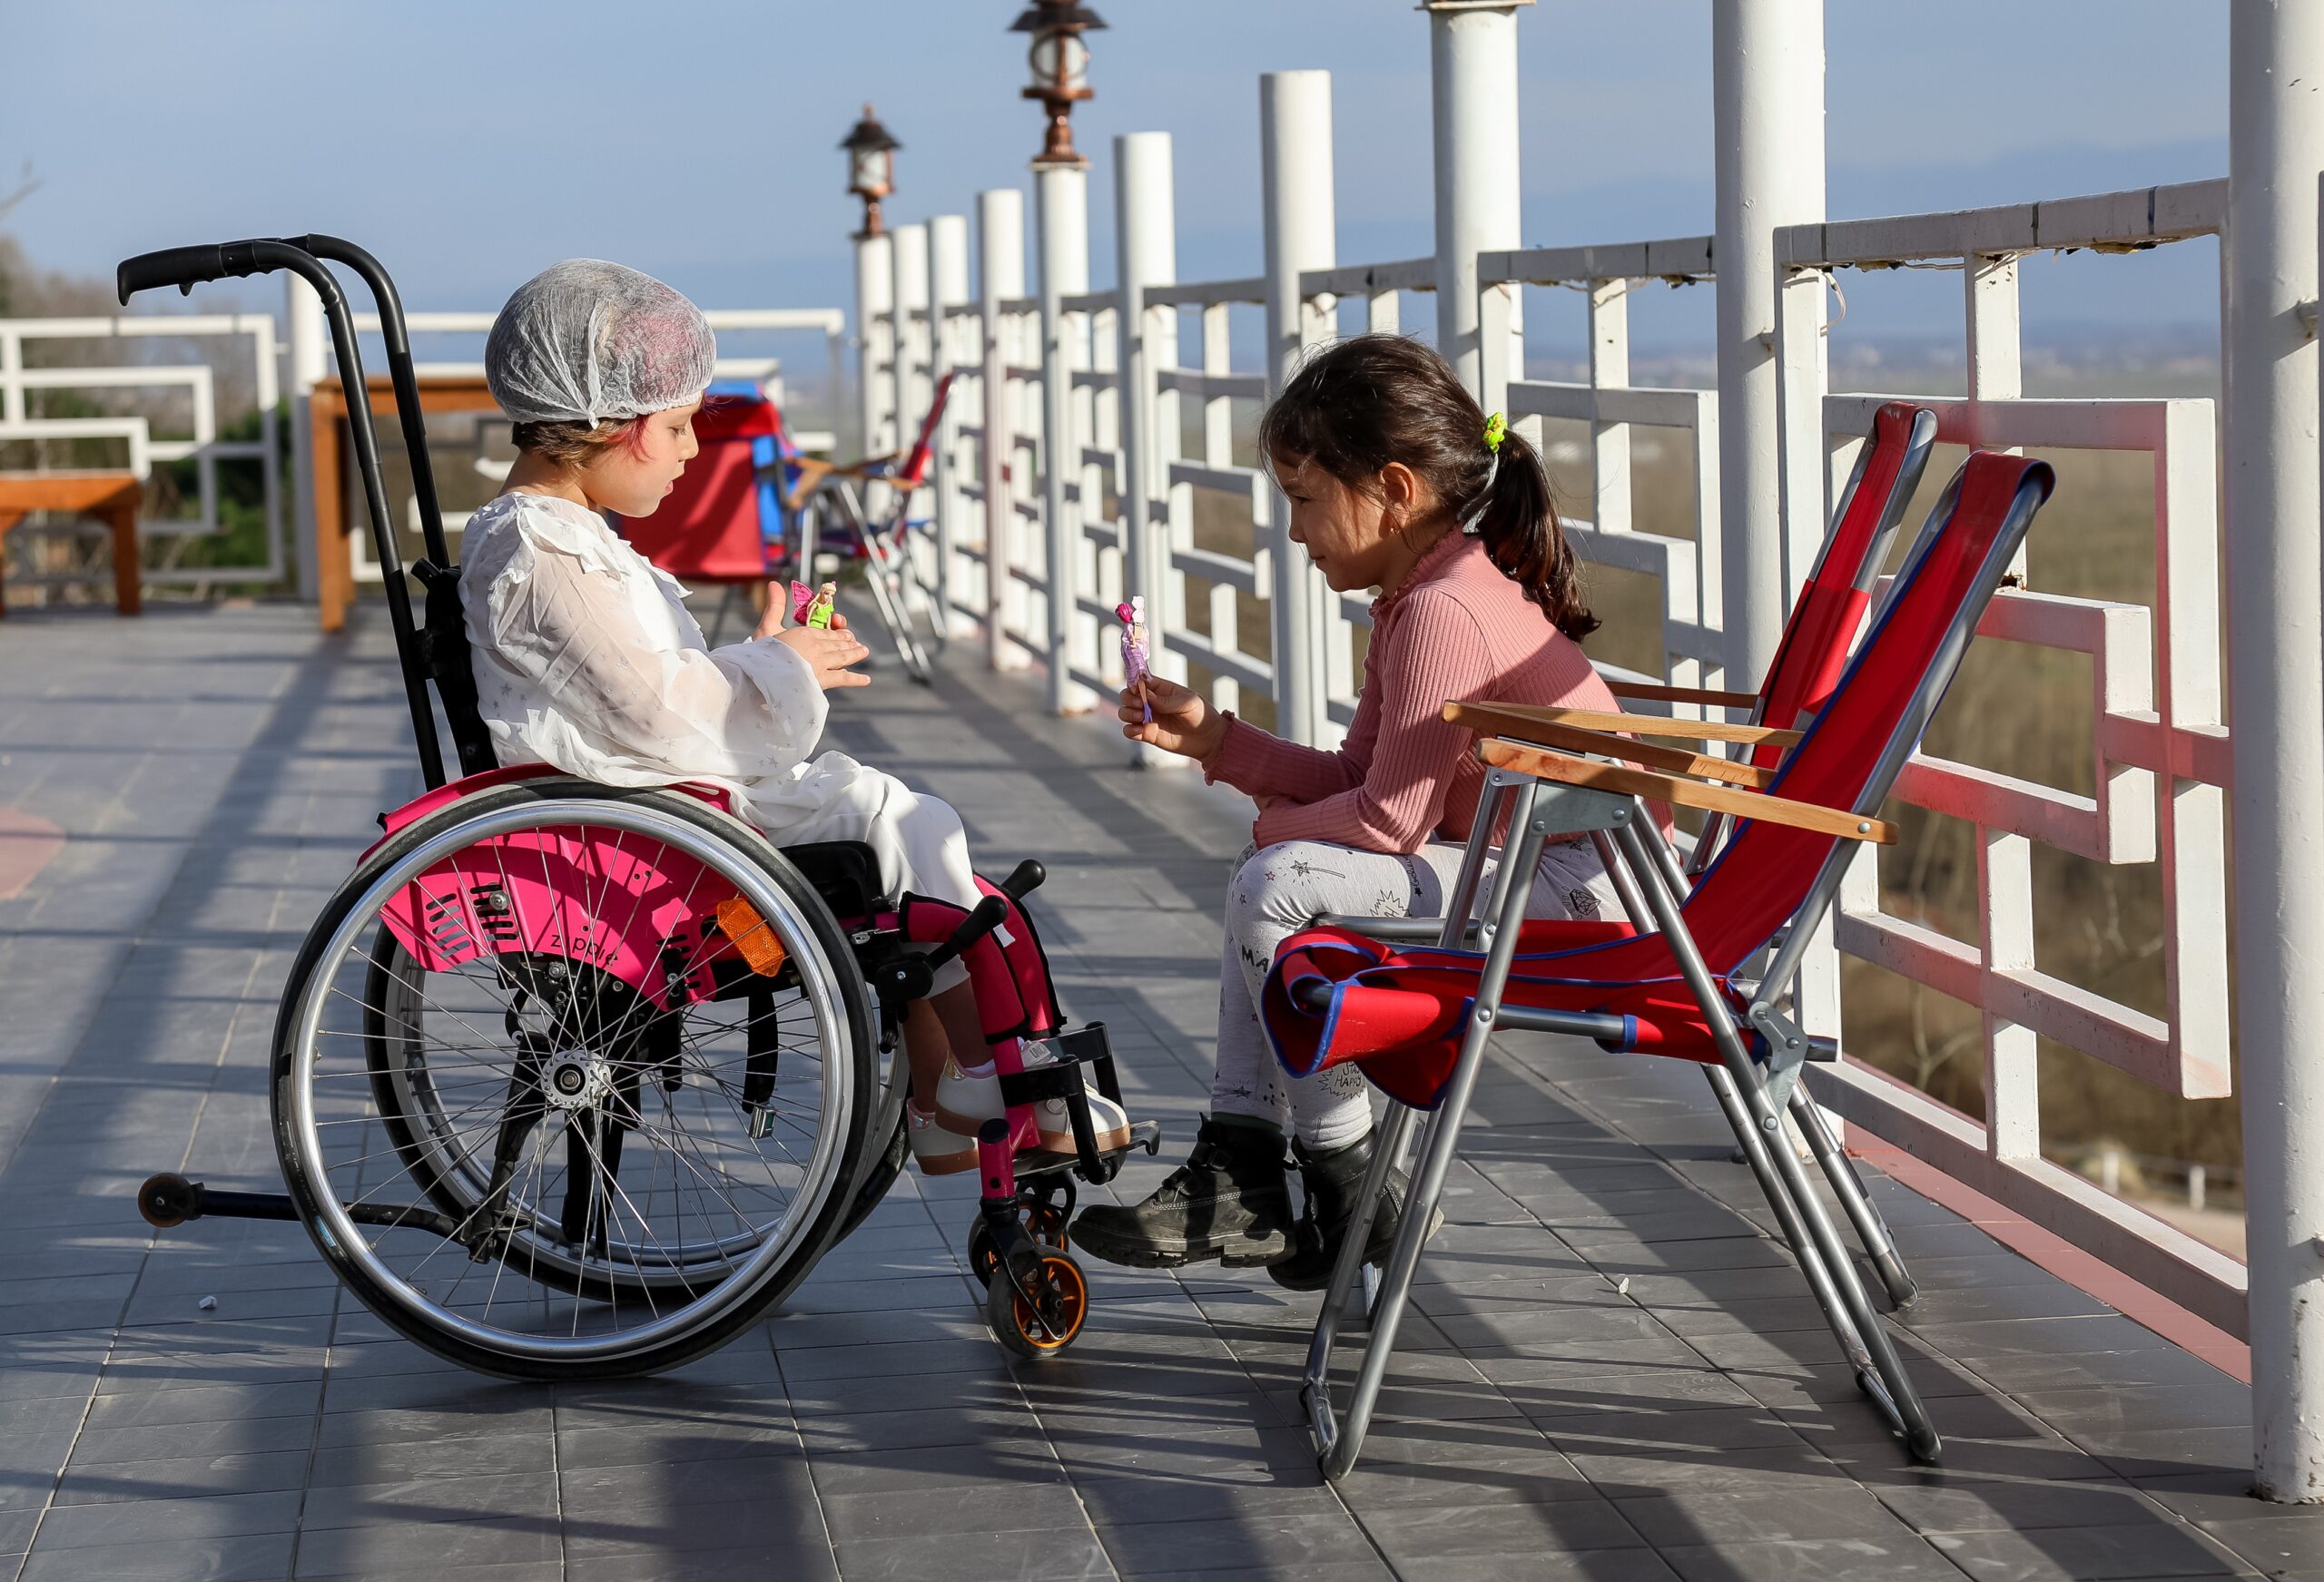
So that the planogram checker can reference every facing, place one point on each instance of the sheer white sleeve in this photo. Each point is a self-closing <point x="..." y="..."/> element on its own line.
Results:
<point x="570" y="671"/>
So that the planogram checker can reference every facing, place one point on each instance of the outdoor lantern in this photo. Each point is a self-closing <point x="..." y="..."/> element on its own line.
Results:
<point x="870" y="167"/>
<point x="1060" y="66"/>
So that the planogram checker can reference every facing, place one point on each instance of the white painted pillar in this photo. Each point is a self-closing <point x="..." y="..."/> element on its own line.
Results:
<point x="908" y="256"/>
<point x="1768" y="122"/>
<point x="1000" y="278"/>
<point x="1061" y="218"/>
<point x="310" y="339"/>
<point x="1146" y="244"/>
<point x="1473" y="58"/>
<point x="1300" y="231"/>
<point x="2276" y="702"/>
<point x="948" y="274"/>
<point x="875" y="337"/>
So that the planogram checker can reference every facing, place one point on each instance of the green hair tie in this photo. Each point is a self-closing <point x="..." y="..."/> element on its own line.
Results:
<point x="1496" y="430"/>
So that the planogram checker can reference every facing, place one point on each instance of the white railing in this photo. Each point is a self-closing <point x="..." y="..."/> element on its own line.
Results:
<point x="2159" y="746"/>
<point x="255" y="332"/>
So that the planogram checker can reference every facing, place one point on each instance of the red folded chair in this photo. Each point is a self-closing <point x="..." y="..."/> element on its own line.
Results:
<point x="1417" y="1019"/>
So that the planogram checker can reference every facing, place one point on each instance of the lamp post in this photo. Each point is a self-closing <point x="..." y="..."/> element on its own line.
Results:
<point x="871" y="152"/>
<point x="1060" y="64"/>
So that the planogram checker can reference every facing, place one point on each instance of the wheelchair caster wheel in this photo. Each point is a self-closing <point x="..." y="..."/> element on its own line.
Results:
<point x="1037" y="1310"/>
<point x="1045" y="1222"/>
<point x="166" y="1200"/>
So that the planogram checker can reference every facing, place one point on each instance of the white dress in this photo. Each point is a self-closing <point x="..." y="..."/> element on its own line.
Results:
<point x="587" y="658"/>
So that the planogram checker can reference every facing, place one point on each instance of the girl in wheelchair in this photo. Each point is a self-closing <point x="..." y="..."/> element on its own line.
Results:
<point x="587" y="658"/>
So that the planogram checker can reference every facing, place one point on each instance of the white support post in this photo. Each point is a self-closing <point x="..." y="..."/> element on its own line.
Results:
<point x="303" y="311"/>
<point x="1768" y="121"/>
<point x="908" y="257"/>
<point x="1297" y="206"/>
<point x="875" y="339"/>
<point x="947" y="271"/>
<point x="1061" y="218"/>
<point x="1000" y="278"/>
<point x="1146" y="244"/>
<point x="1472" y="56"/>
<point x="2275" y="700"/>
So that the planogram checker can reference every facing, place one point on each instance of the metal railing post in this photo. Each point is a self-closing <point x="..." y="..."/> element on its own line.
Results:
<point x="1472" y="96"/>
<point x="1061" y="218"/>
<point x="1000" y="278"/>
<point x="908" y="256"/>
<point x="309" y="342"/>
<point x="1767" y="120"/>
<point x="1146" y="244"/>
<point x="2276" y="700"/>
<point x="1296" y="209"/>
<point x="948" y="276"/>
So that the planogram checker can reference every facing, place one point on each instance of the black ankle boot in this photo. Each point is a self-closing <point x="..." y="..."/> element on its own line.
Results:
<point x="1333" y="1180"/>
<point x="1231" y="1201"/>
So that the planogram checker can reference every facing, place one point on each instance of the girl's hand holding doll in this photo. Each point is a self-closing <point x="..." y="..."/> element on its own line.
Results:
<point x="828" y="651"/>
<point x="1183" y="721"/>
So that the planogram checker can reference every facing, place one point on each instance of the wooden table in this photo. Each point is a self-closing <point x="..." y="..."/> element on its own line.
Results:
<point x="334" y="560"/>
<point x="112" y="497"/>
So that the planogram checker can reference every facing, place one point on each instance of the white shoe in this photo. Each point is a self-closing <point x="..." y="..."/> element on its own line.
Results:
<point x="964" y="1102"/>
<point x="937" y="1150"/>
<point x="1055" y="1120"/>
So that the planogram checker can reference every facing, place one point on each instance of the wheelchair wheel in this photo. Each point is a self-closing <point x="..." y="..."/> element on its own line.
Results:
<point x="1037" y="1309"/>
<point x="639" y="1138"/>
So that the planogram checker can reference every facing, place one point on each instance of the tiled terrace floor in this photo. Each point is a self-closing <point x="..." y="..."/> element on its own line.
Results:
<point x="1613" y="1373"/>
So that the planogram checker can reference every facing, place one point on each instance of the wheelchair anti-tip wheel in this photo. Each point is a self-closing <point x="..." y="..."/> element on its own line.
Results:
<point x="1037" y="1302"/>
<point x="610" y="1042"/>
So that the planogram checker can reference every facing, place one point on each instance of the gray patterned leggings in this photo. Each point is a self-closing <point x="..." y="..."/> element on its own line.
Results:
<point x="1276" y="892"/>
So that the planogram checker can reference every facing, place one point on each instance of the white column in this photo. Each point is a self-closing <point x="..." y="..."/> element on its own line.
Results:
<point x="1000" y="278"/>
<point x="908" y="255"/>
<point x="875" y="338"/>
<point x="1298" y="216"/>
<point x="948" y="274"/>
<point x="1473" y="93"/>
<point x="2276" y="702"/>
<point x="1768" y="122"/>
<point x="1146" y="243"/>
<point x="1061" y="218"/>
<point x="310" y="338"/>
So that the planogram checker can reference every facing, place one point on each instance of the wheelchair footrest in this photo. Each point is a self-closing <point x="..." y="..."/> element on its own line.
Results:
<point x="1038" y="1162"/>
<point x="1073" y="1063"/>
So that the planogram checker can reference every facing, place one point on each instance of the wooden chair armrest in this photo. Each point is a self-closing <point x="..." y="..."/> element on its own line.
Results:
<point x="1548" y="763"/>
<point x="1489" y="718"/>
<point x="1654" y="692"/>
<point x="1644" y="725"/>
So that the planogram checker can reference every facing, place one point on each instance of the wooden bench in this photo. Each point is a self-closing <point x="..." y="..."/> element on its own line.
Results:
<point x="112" y="497"/>
<point x="334" y="555"/>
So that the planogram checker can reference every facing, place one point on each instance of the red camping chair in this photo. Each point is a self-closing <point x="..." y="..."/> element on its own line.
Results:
<point x="881" y="548"/>
<point x="725" y="523"/>
<point x="1417" y="1020"/>
<point x="1807" y="663"/>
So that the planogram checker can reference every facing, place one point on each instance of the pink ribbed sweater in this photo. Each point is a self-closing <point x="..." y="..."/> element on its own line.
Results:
<point x="1456" y="630"/>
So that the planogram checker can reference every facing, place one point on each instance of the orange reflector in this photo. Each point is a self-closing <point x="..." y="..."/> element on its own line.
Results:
<point x="740" y="921"/>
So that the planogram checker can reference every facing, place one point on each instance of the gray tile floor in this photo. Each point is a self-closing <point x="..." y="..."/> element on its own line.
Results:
<point x="1611" y="1373"/>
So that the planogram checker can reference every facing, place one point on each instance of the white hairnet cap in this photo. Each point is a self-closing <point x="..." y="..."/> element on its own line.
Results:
<point x="588" y="342"/>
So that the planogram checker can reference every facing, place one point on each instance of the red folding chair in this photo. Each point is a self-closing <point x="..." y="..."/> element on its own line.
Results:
<point x="1417" y="1020"/>
<point x="1807" y="664"/>
<point x="881" y="549"/>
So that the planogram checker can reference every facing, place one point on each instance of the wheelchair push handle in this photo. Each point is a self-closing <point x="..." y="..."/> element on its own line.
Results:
<point x="188" y="267"/>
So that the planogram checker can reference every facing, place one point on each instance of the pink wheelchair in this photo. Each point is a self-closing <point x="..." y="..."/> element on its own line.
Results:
<point x="573" y="1082"/>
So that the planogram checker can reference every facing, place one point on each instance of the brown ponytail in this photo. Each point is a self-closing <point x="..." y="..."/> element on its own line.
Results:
<point x="1372" y="399"/>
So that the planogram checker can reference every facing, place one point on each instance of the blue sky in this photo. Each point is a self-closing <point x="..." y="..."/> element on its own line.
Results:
<point x="470" y="143"/>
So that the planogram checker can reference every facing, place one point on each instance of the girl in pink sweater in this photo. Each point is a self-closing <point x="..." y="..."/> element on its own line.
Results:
<point x="1397" y="481"/>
